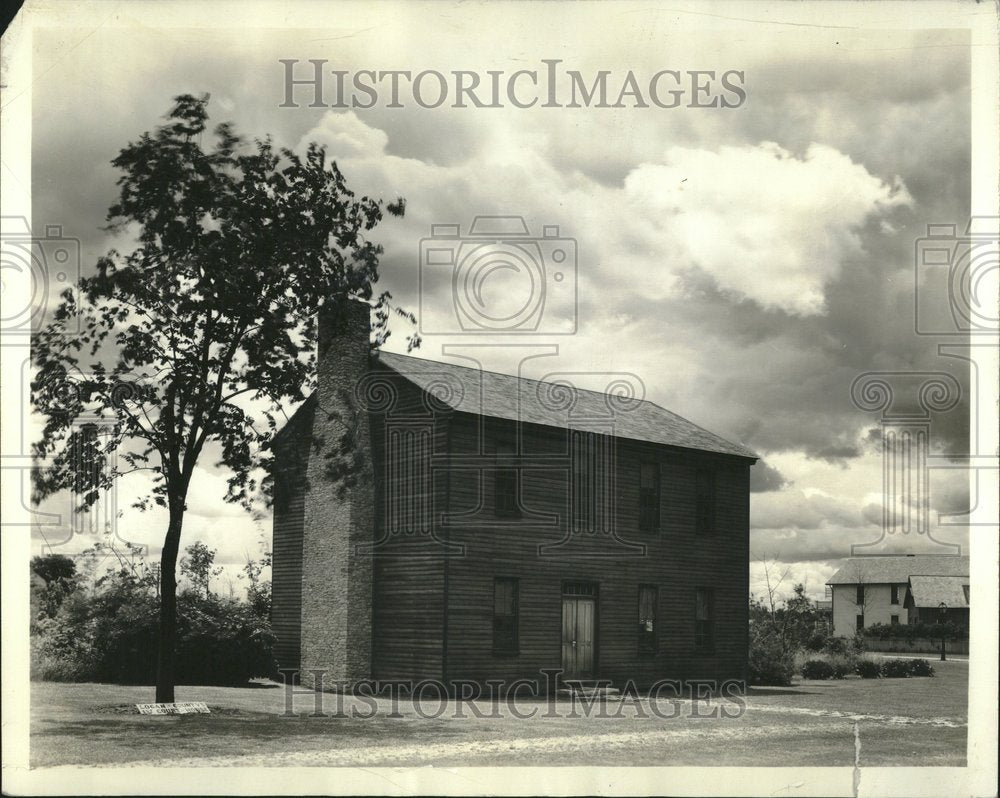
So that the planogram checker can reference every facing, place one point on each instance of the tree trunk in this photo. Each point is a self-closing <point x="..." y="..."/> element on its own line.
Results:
<point x="166" y="652"/>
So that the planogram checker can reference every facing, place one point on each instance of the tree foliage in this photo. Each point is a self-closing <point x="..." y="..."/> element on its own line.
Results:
<point x="202" y="331"/>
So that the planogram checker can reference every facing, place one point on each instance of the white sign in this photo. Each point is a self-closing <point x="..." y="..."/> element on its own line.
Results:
<point x="180" y="708"/>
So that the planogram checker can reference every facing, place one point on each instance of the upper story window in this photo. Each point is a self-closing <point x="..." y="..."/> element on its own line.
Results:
<point x="648" y="596"/>
<point x="649" y="496"/>
<point x="859" y="595"/>
<point x="965" y="590"/>
<point x="894" y="594"/>
<point x="506" y="480"/>
<point x="591" y="480"/>
<point x="705" y="501"/>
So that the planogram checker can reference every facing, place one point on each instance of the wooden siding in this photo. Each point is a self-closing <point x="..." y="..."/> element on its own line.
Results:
<point x="676" y="561"/>
<point x="409" y="566"/>
<point x="286" y="565"/>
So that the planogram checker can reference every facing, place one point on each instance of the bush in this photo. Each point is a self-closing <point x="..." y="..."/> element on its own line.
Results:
<point x="868" y="669"/>
<point x="896" y="669"/>
<point x="835" y="645"/>
<point x="842" y="665"/>
<point x="817" y="669"/>
<point x="771" y="663"/>
<point x="110" y="635"/>
<point x="903" y="631"/>
<point x="817" y="642"/>
<point x="920" y="667"/>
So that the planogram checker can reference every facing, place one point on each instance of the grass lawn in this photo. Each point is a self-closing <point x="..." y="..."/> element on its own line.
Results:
<point x="898" y="722"/>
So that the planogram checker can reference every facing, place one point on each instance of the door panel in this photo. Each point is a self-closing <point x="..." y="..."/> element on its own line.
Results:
<point x="568" y="636"/>
<point x="585" y="636"/>
<point x="577" y="637"/>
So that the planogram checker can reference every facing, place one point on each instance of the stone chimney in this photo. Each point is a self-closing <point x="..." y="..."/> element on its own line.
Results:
<point x="339" y="505"/>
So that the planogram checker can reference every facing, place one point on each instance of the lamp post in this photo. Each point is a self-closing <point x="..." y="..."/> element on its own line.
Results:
<point x="942" y="615"/>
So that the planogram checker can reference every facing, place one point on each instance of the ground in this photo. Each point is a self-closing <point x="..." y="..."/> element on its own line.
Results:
<point x="914" y="722"/>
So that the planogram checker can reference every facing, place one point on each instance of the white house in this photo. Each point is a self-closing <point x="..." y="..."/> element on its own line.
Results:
<point x="873" y="589"/>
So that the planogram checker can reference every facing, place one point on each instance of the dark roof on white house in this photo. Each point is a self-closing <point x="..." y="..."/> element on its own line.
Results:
<point x="887" y="570"/>
<point x="554" y="404"/>
<point x="933" y="591"/>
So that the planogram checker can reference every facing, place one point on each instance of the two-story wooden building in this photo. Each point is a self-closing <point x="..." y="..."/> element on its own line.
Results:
<point x="437" y="521"/>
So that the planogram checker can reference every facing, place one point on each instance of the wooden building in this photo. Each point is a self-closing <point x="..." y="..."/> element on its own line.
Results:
<point x="434" y="521"/>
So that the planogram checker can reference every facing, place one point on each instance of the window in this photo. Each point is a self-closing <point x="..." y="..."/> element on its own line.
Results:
<point x="591" y="481"/>
<point x="859" y="595"/>
<point x="505" y="616"/>
<point x="965" y="590"/>
<point x="894" y="594"/>
<point x="704" y="620"/>
<point x="705" y="501"/>
<point x="894" y="620"/>
<point x="649" y="496"/>
<point x="859" y="622"/>
<point x="506" y="484"/>
<point x="648" y="599"/>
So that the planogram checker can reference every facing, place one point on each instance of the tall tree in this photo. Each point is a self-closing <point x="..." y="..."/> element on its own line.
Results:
<point x="198" y="338"/>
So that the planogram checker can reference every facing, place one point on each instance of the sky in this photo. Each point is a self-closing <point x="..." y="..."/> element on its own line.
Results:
<point x="746" y="263"/>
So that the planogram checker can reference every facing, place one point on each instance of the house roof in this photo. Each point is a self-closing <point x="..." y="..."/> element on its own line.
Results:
<point x="555" y="404"/>
<point x="884" y="570"/>
<point x="932" y="591"/>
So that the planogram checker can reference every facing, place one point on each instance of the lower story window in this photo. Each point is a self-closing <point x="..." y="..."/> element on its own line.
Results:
<point x="894" y="620"/>
<point x="505" y="615"/>
<point x="704" y="619"/>
<point x="647" y="619"/>
<point x="859" y="622"/>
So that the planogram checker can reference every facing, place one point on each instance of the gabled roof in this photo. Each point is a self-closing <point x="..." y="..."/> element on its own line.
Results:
<point x="885" y="570"/>
<point x="933" y="591"/>
<point x="553" y="404"/>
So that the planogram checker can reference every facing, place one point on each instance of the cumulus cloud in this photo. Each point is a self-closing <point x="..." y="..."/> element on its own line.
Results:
<point x="799" y="509"/>
<point x="768" y="225"/>
<point x="764" y="477"/>
<point x="345" y="136"/>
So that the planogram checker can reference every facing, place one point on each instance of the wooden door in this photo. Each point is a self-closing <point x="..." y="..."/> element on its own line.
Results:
<point x="577" y="637"/>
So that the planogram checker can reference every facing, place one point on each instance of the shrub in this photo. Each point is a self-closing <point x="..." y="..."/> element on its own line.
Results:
<point x="903" y="631"/>
<point x="110" y="635"/>
<point x="817" y="669"/>
<point x="771" y="663"/>
<point x="835" y="645"/>
<point x="868" y="669"/>
<point x="896" y="669"/>
<point x="842" y="665"/>
<point x="816" y="642"/>
<point x="920" y="667"/>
